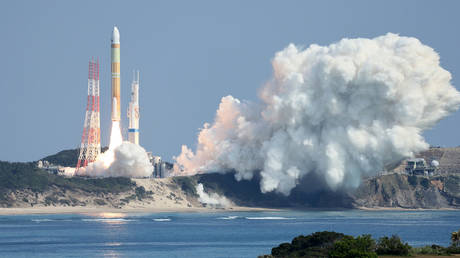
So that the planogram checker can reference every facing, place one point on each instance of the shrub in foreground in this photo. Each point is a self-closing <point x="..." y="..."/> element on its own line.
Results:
<point x="315" y="245"/>
<point x="350" y="247"/>
<point x="392" y="246"/>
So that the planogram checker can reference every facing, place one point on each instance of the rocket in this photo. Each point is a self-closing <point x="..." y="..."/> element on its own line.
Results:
<point x="133" y="111"/>
<point x="115" y="59"/>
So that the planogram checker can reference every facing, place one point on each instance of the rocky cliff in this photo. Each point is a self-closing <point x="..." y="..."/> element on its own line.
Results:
<point x="403" y="191"/>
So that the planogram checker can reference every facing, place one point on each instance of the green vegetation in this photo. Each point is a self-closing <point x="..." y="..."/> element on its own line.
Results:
<point x="392" y="246"/>
<point x="350" y="247"/>
<point x="455" y="238"/>
<point x="100" y="202"/>
<point x="338" y="245"/>
<point x="187" y="184"/>
<point x="435" y="250"/>
<point x="26" y="176"/>
<point x="425" y="183"/>
<point x="142" y="194"/>
<point x="412" y="180"/>
<point x="66" y="158"/>
<point x="315" y="245"/>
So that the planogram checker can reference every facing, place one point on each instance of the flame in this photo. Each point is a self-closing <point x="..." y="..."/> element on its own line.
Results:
<point x="108" y="157"/>
<point x="115" y="136"/>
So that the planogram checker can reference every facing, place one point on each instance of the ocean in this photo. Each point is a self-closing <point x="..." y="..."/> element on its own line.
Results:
<point x="212" y="234"/>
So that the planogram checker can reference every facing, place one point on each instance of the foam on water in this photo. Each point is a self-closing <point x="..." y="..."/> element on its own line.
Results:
<point x="161" y="219"/>
<point x="229" y="217"/>
<point x="267" y="218"/>
<point x="42" y="220"/>
<point x="49" y="220"/>
<point x="108" y="220"/>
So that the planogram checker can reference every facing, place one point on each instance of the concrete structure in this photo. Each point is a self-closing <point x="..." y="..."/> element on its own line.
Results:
<point x="133" y="111"/>
<point x="419" y="167"/>
<point x="51" y="168"/>
<point x="115" y="62"/>
<point x="160" y="169"/>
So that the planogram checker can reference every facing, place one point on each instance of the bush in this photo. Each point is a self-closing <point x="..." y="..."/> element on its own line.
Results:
<point x="425" y="183"/>
<point x="99" y="202"/>
<point x="315" y="245"/>
<point x="186" y="184"/>
<point x="412" y="180"/>
<point x="392" y="246"/>
<point x="51" y="200"/>
<point x="350" y="247"/>
<point x="453" y="250"/>
<point x="455" y="238"/>
<point x="140" y="192"/>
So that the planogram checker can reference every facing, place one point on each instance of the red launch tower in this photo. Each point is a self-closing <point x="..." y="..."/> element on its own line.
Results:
<point x="90" y="146"/>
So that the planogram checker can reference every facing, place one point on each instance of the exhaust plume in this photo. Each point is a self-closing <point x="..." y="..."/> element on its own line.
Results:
<point x="342" y="111"/>
<point x="126" y="160"/>
<point x="121" y="159"/>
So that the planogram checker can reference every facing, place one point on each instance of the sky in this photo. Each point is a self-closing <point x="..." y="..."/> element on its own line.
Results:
<point x="190" y="54"/>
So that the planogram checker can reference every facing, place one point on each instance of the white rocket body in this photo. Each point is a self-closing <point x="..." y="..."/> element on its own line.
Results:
<point x="133" y="111"/>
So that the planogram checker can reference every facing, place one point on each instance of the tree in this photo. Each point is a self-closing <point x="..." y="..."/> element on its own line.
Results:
<point x="350" y="247"/>
<point x="392" y="246"/>
<point x="317" y="244"/>
<point x="455" y="237"/>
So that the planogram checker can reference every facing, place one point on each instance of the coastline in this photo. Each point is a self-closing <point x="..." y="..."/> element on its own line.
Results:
<point x="405" y="209"/>
<point x="99" y="210"/>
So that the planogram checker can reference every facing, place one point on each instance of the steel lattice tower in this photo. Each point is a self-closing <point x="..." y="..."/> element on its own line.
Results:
<point x="90" y="146"/>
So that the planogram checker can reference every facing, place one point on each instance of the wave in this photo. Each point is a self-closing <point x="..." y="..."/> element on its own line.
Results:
<point x="268" y="218"/>
<point x="108" y="220"/>
<point x="229" y="217"/>
<point x="49" y="220"/>
<point x="161" y="220"/>
<point x="42" y="220"/>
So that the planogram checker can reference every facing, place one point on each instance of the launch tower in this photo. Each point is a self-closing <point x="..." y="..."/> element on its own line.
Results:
<point x="90" y="146"/>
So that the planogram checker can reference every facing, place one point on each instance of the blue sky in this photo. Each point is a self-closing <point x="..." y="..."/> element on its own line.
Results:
<point x="190" y="54"/>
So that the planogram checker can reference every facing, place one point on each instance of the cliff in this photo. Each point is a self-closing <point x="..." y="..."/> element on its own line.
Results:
<point x="402" y="191"/>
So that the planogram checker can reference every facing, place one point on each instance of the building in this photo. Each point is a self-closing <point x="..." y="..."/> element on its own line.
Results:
<point x="51" y="168"/>
<point x="418" y="167"/>
<point x="160" y="169"/>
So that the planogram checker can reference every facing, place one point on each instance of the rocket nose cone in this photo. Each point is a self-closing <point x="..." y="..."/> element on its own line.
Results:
<point x="115" y="36"/>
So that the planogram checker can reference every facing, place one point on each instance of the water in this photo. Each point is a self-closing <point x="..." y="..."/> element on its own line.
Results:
<point x="219" y="234"/>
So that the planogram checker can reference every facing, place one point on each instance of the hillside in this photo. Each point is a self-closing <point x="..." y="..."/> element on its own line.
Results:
<point x="449" y="159"/>
<point x="402" y="191"/>
<point x="66" y="158"/>
<point x="25" y="185"/>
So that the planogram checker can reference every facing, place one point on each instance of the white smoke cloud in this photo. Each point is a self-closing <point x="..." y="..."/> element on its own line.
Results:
<point x="213" y="199"/>
<point x="341" y="111"/>
<point x="127" y="160"/>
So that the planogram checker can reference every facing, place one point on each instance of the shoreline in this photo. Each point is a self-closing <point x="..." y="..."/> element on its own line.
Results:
<point x="99" y="210"/>
<point x="405" y="209"/>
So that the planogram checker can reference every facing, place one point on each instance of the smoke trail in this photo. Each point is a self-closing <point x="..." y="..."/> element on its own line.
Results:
<point x="342" y="111"/>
